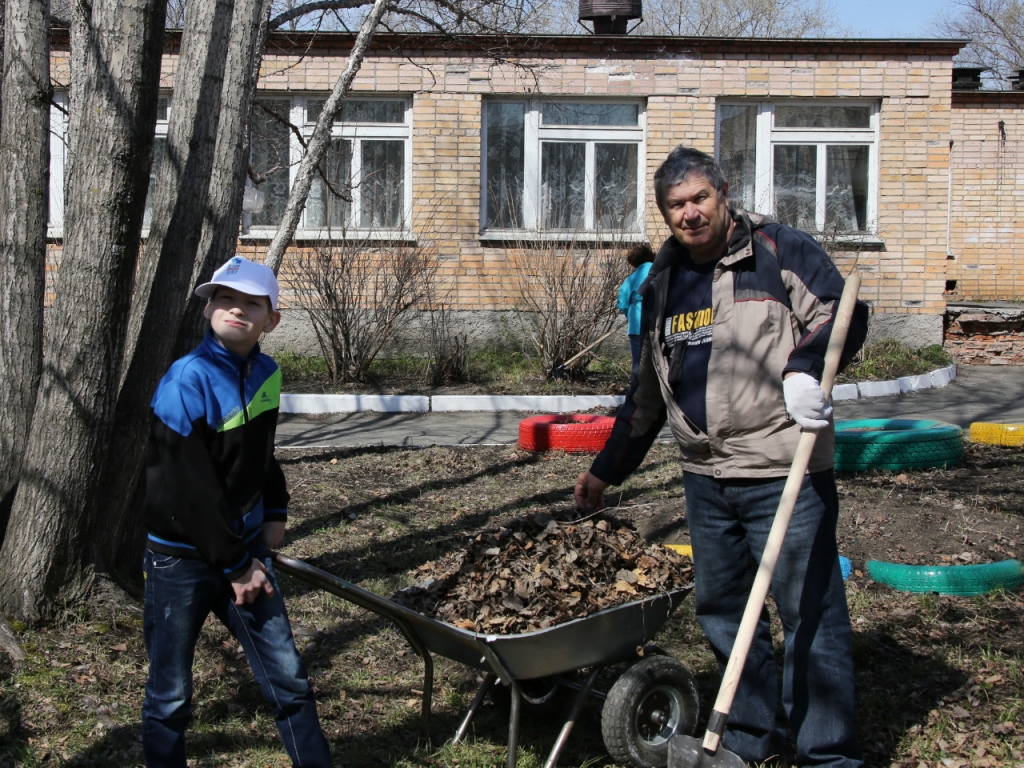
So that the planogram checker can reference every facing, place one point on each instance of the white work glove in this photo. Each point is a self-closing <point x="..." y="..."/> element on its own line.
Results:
<point x="805" y="401"/>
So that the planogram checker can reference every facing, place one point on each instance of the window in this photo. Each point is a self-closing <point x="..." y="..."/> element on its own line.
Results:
<point x="159" y="152"/>
<point x="363" y="180"/>
<point x="562" y="166"/>
<point x="59" y="154"/>
<point x="811" y="165"/>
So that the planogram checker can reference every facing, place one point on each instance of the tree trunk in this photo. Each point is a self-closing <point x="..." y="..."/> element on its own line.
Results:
<point x="3" y="23"/>
<point x="321" y="138"/>
<point x="43" y="556"/>
<point x="122" y="525"/>
<point x="24" y="187"/>
<point x="227" y="181"/>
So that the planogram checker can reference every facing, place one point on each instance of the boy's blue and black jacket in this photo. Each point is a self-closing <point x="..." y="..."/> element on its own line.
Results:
<point x="211" y="475"/>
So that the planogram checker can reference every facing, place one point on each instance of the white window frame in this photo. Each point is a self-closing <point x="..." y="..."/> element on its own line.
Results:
<point x="159" y="134"/>
<point x="58" y="161"/>
<point x="535" y="135"/>
<point x="353" y="133"/>
<point x="769" y="136"/>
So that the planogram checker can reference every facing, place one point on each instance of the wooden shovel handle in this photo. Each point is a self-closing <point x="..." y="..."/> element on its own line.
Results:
<point x="763" y="579"/>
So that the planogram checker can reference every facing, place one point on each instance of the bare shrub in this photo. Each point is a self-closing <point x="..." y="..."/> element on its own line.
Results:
<point x="568" y="292"/>
<point x="447" y="348"/>
<point x="355" y="290"/>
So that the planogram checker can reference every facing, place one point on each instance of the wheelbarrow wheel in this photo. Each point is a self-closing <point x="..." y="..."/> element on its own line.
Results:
<point x="540" y="696"/>
<point x="652" y="701"/>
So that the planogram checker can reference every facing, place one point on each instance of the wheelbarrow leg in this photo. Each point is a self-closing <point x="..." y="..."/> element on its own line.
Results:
<point x="485" y="686"/>
<point x="577" y="706"/>
<point x="428" y="695"/>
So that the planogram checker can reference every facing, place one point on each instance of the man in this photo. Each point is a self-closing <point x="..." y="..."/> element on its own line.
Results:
<point x="737" y="313"/>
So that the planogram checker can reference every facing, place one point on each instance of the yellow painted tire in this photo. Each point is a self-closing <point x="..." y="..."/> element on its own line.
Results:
<point x="996" y="434"/>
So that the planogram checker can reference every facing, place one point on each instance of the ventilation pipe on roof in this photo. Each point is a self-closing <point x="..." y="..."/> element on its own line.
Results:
<point x="1017" y="83"/>
<point x="610" y="17"/>
<point x="967" y="78"/>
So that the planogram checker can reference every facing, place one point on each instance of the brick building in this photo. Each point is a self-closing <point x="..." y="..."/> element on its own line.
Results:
<point x="486" y="144"/>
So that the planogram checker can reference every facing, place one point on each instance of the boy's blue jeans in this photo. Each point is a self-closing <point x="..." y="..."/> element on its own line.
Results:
<point x="180" y="594"/>
<point x="729" y="522"/>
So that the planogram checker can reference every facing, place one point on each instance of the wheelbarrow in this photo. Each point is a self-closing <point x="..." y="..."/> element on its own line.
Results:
<point x="651" y="701"/>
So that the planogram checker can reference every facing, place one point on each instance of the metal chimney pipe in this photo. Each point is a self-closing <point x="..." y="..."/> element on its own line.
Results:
<point x="610" y="17"/>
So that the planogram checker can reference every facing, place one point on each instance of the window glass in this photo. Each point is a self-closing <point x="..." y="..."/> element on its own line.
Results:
<point x="359" y="111"/>
<point x="822" y="116"/>
<point x="327" y="206"/>
<point x="563" y="184"/>
<point x="593" y="113"/>
<point x="737" y="151"/>
<point x="163" y="105"/>
<point x="615" y="199"/>
<point x="159" y="152"/>
<point x="846" y="197"/>
<point x="270" y="158"/>
<point x="795" y="180"/>
<point x="382" y="183"/>
<point x="504" y="150"/>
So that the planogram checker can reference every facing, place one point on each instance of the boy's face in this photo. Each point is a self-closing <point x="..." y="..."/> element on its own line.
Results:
<point x="238" y="319"/>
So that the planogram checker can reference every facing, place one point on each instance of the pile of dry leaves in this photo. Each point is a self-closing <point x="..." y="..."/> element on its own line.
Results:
<point x="538" y="572"/>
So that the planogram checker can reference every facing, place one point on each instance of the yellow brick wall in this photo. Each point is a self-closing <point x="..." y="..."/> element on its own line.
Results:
<point x="907" y="275"/>
<point x="987" y="226"/>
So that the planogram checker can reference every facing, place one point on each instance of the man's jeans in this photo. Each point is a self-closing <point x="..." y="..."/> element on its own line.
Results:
<point x="729" y="521"/>
<point x="180" y="594"/>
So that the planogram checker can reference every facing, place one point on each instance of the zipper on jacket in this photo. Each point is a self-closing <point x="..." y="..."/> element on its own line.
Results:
<point x="241" y="389"/>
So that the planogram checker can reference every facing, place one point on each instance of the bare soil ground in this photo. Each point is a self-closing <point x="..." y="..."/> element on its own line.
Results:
<point x="940" y="680"/>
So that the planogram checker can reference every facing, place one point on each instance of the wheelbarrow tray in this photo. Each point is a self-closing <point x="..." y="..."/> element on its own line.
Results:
<point x="598" y="639"/>
<point x="595" y="641"/>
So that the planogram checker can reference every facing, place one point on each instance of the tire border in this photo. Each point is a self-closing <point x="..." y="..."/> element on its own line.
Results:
<point x="572" y="433"/>
<point x="896" y="444"/>
<point x="949" y="579"/>
<point x="996" y="433"/>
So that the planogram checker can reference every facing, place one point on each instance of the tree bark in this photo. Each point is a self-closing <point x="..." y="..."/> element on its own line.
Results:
<point x="321" y="138"/>
<point x="43" y="560"/>
<point x="122" y="525"/>
<point x="24" y="192"/>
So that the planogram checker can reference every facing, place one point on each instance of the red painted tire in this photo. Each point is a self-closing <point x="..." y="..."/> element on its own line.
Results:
<point x="573" y="433"/>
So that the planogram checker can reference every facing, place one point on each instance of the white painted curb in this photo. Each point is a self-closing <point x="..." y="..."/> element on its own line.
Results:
<point x="559" y="403"/>
<point x="845" y="392"/>
<point x="543" y="403"/>
<point x="354" y="403"/>
<point x="878" y="388"/>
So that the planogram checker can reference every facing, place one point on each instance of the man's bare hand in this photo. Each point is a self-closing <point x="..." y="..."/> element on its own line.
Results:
<point x="273" y="532"/>
<point x="248" y="586"/>
<point x="590" y="493"/>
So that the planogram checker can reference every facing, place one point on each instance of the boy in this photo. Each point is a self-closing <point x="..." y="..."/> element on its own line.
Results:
<point x="215" y="502"/>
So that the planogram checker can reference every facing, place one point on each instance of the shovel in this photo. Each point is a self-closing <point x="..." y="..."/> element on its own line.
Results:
<point x="687" y="751"/>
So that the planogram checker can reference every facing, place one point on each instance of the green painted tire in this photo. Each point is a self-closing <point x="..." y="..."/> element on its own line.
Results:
<point x="894" y="444"/>
<point x="949" y="579"/>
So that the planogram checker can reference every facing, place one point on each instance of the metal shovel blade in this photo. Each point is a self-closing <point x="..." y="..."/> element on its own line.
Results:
<point x="688" y="752"/>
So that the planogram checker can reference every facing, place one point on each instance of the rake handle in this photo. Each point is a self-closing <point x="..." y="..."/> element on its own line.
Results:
<point x="766" y="568"/>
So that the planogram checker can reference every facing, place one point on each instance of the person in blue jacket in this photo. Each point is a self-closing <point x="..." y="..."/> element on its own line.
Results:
<point x="640" y="258"/>
<point x="215" y="503"/>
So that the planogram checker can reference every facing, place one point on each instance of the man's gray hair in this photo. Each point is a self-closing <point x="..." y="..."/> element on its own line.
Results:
<point x="680" y="163"/>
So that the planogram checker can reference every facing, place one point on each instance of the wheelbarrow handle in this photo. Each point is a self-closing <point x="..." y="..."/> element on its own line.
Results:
<point x="763" y="579"/>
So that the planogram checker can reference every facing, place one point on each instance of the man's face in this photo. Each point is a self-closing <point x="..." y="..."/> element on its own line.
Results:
<point x="238" y="319"/>
<point x="698" y="216"/>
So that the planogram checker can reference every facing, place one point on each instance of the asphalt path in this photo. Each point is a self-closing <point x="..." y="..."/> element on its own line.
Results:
<point x="979" y="393"/>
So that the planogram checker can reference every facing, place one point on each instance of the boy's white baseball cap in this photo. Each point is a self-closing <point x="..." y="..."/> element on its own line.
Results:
<point x="245" y="276"/>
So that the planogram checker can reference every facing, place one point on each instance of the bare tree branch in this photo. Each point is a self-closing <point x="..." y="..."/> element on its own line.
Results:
<point x="319" y="5"/>
<point x="320" y="139"/>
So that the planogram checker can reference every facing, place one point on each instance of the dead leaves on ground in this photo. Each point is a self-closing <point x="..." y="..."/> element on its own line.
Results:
<point x="539" y="572"/>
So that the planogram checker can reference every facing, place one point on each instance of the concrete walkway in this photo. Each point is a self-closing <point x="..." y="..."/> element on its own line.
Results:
<point x="979" y="393"/>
